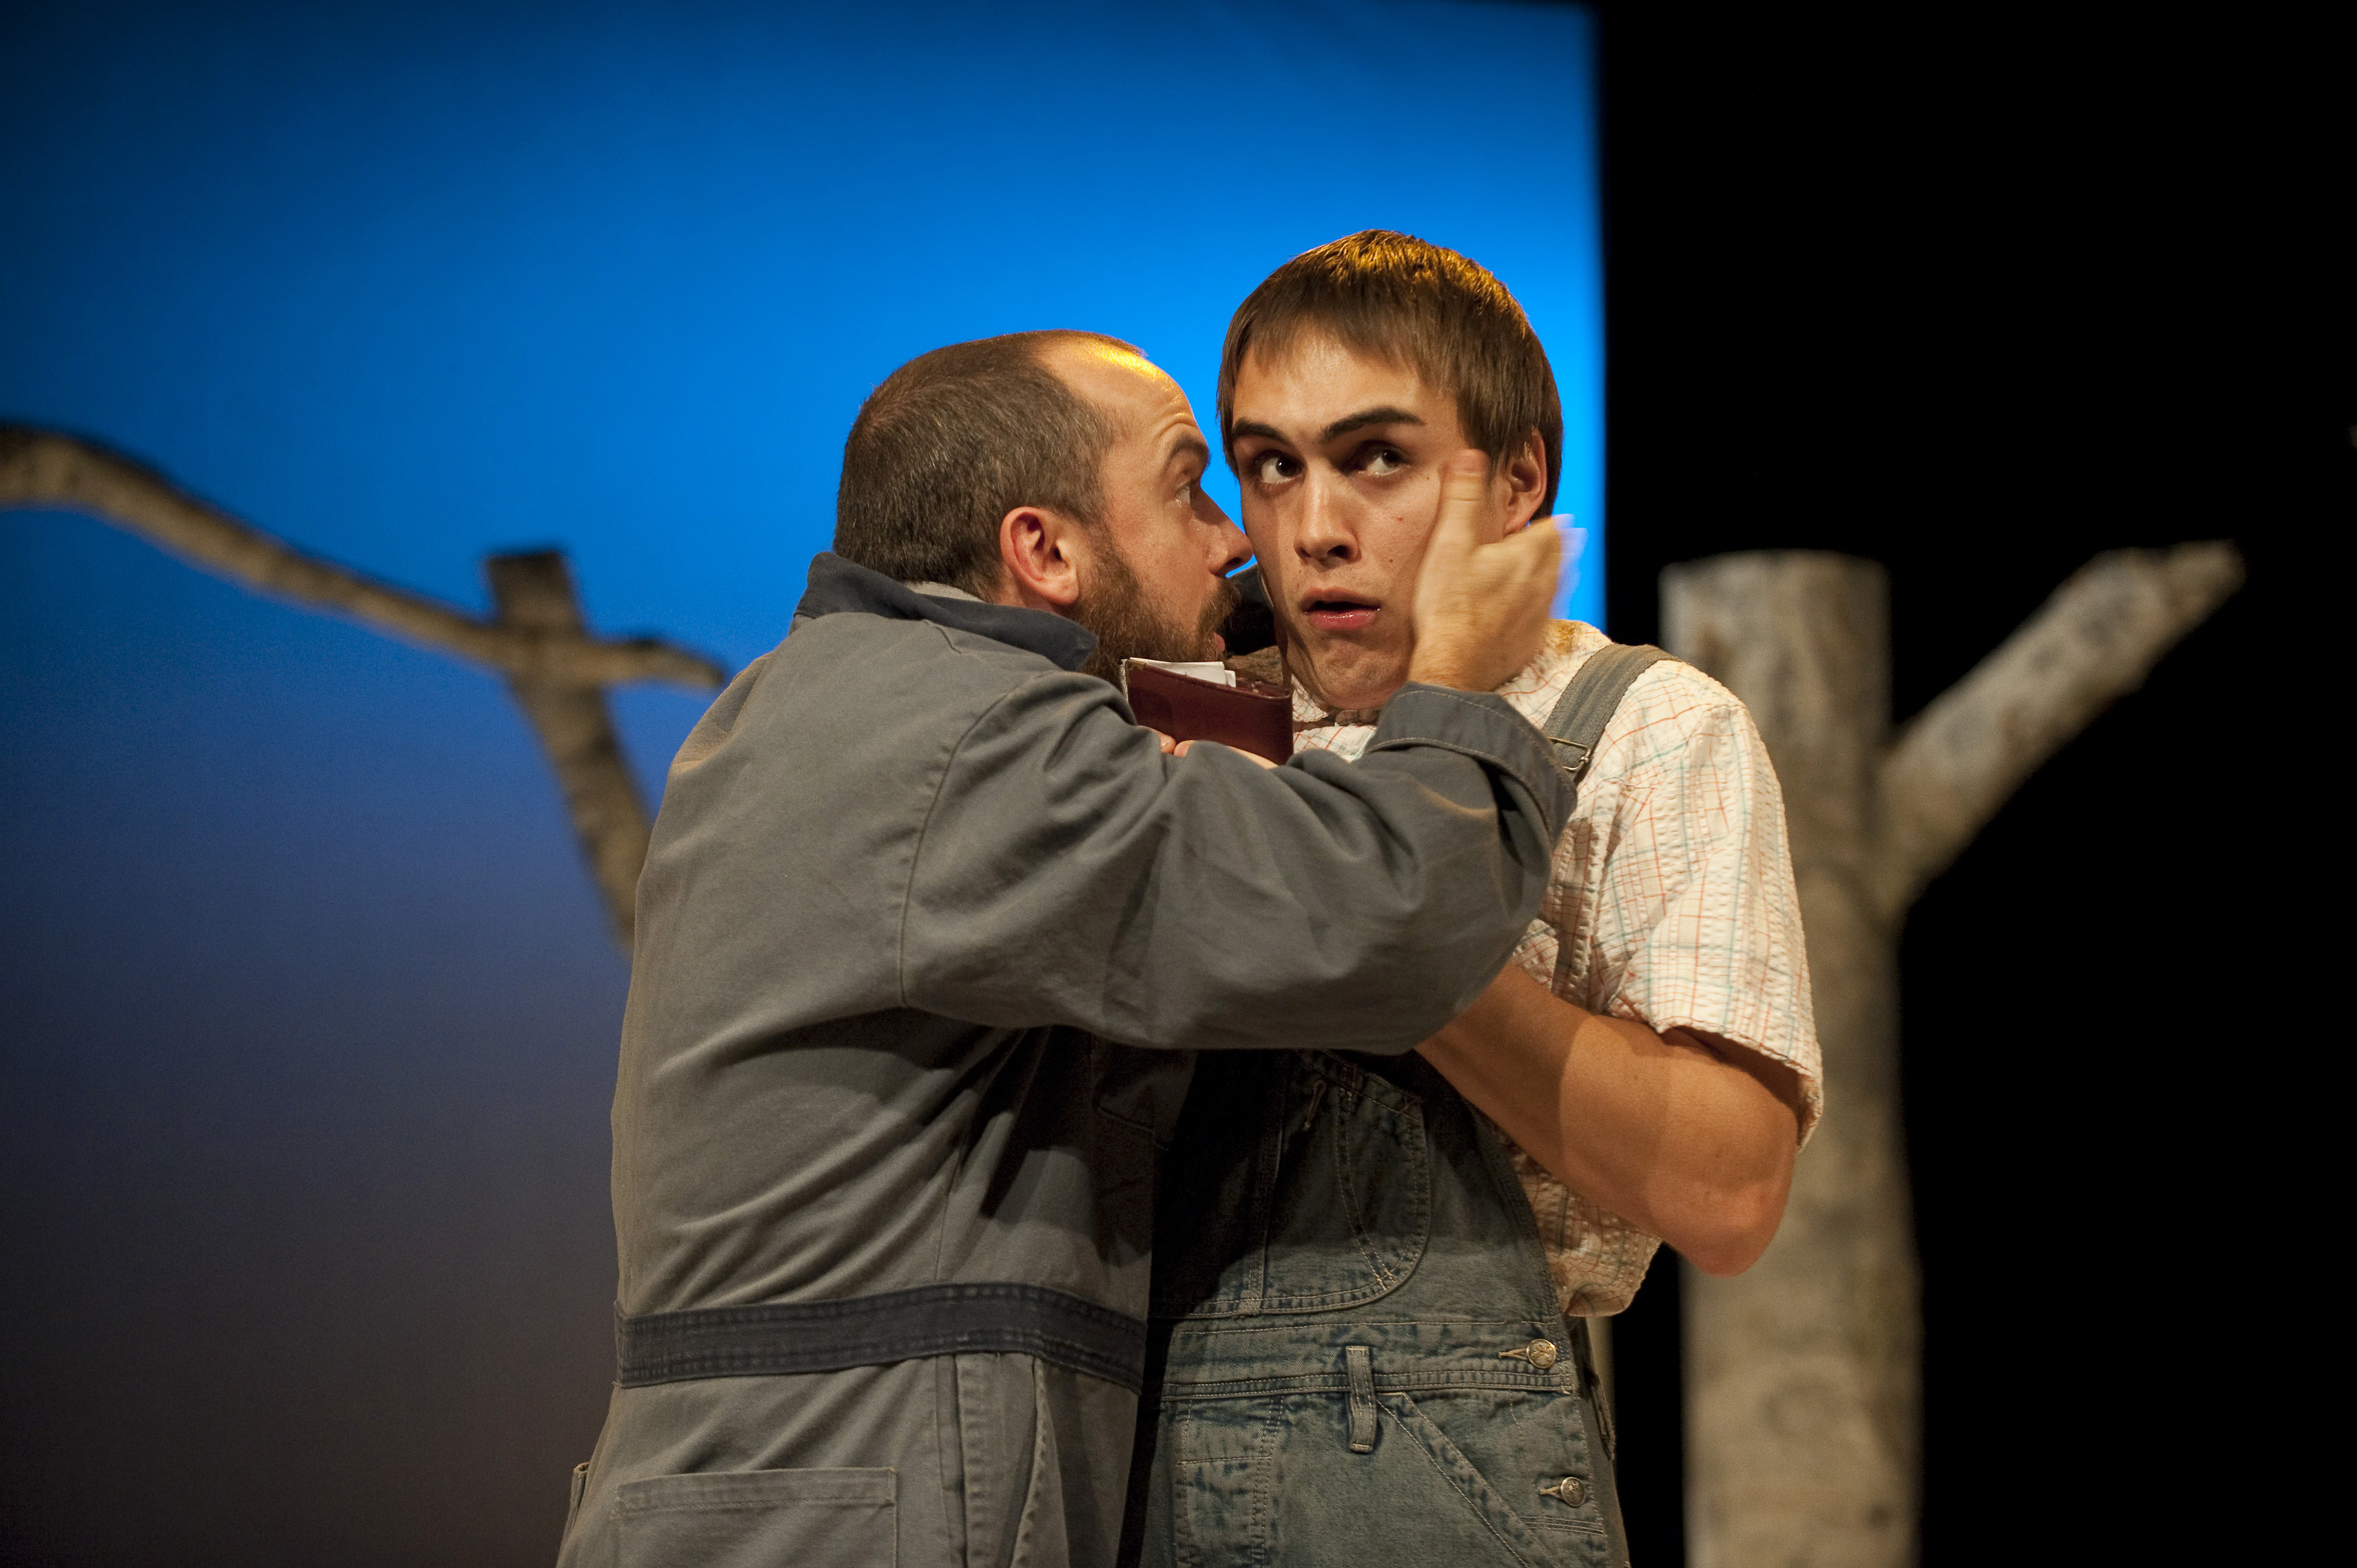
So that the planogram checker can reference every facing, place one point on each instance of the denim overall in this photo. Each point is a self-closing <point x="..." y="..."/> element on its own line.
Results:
<point x="1356" y="1357"/>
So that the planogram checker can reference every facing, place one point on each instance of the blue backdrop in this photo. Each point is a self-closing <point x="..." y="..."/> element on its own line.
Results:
<point x="309" y="1012"/>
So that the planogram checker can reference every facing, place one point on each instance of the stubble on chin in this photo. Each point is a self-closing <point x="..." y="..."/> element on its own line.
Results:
<point x="1128" y="626"/>
<point x="1338" y="674"/>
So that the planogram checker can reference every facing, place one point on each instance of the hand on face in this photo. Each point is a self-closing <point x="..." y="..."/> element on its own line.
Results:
<point x="1341" y="456"/>
<point x="1482" y="602"/>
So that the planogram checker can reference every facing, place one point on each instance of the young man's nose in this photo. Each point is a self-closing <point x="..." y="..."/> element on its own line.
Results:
<point x="1324" y="533"/>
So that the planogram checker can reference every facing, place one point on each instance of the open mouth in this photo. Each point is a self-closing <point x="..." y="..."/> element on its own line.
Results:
<point x="1339" y="612"/>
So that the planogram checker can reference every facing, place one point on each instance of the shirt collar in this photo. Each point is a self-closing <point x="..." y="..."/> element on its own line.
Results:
<point x="839" y="587"/>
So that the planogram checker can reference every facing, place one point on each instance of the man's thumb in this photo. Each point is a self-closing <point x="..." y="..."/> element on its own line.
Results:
<point x="1464" y="486"/>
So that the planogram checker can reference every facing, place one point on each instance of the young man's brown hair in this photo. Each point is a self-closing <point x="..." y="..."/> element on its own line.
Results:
<point x="1414" y="305"/>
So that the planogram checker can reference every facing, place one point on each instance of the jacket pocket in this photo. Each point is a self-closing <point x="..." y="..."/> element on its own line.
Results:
<point x="759" y="1519"/>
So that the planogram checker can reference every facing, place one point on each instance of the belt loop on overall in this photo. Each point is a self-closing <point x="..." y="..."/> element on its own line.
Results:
<point x="1362" y="1364"/>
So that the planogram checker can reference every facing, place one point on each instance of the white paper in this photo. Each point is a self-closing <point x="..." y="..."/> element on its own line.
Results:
<point x="1217" y="673"/>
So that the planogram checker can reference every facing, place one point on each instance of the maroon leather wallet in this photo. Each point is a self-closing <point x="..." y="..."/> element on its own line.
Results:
<point x="1248" y="715"/>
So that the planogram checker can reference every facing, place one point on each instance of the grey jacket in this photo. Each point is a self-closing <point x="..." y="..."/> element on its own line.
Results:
<point x="928" y="932"/>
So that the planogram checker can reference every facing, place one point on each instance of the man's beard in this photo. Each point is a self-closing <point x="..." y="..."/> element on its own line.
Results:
<point x="1128" y="626"/>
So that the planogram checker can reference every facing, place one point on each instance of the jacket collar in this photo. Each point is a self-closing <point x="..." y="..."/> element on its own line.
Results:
<point x="838" y="588"/>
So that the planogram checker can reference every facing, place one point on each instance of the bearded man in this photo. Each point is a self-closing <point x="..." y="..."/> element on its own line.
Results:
<point x="929" y="933"/>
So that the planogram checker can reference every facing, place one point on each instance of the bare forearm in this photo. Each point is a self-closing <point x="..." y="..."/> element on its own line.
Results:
<point x="1671" y="1132"/>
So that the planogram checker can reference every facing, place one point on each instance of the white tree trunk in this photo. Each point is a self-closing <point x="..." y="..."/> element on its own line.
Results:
<point x="1801" y="1375"/>
<point x="1804" y="1382"/>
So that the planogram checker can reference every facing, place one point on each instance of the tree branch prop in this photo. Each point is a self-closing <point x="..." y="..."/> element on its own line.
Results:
<point x="44" y="469"/>
<point x="534" y="593"/>
<point x="556" y="669"/>
<point x="2091" y="643"/>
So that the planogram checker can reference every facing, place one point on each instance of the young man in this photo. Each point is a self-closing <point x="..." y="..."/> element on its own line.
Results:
<point x="1371" y="1275"/>
<point x="884" y="1153"/>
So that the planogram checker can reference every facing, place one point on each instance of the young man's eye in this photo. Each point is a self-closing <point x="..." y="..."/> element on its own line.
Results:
<point x="1273" y="467"/>
<point x="1385" y="460"/>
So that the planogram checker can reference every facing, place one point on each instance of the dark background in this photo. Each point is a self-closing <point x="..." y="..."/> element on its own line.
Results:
<point x="1977" y="298"/>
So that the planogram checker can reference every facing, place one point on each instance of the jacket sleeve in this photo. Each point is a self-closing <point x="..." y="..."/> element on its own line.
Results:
<point x="1069" y="873"/>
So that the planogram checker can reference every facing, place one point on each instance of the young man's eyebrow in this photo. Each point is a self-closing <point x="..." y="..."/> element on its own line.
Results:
<point x="1370" y="416"/>
<point x="1359" y="421"/>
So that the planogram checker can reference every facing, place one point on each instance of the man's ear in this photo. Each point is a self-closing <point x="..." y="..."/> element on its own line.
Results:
<point x="1524" y="475"/>
<point x="1040" y="554"/>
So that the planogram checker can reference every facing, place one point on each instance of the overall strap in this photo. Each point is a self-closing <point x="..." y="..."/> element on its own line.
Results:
<point x="1588" y="703"/>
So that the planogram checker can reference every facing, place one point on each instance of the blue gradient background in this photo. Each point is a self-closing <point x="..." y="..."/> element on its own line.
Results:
<point x="309" y="1009"/>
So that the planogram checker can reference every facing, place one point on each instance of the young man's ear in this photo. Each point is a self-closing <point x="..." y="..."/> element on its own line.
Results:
<point x="1039" y="559"/>
<point x="1524" y="475"/>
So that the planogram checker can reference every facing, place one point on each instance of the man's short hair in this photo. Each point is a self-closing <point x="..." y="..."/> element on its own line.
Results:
<point x="1414" y="305"/>
<point x="953" y="441"/>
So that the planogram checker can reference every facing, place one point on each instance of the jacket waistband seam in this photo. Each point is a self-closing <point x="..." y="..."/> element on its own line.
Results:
<point x="790" y="1339"/>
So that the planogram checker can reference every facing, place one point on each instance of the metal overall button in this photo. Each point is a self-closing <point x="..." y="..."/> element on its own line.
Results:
<point x="1539" y="1353"/>
<point x="1571" y="1490"/>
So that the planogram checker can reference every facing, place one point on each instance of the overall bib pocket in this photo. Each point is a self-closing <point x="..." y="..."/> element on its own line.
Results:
<point x="1320" y="1175"/>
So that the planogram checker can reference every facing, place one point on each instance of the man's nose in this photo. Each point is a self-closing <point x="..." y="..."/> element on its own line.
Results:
<point x="1238" y="548"/>
<point x="1325" y="535"/>
<point x="1229" y="540"/>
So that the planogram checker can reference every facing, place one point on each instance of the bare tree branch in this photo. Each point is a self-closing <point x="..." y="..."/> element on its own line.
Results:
<point x="534" y="593"/>
<point x="44" y="469"/>
<point x="556" y="669"/>
<point x="2091" y="643"/>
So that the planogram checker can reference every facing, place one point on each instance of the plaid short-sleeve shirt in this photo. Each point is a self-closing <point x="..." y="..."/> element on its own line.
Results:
<point x="1670" y="903"/>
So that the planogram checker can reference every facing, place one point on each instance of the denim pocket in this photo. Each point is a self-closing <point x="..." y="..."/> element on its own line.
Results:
<point x="1222" y="1475"/>
<point x="1353" y="1195"/>
<point x="756" y="1518"/>
<point x="1578" y="1537"/>
<point x="1295" y="1183"/>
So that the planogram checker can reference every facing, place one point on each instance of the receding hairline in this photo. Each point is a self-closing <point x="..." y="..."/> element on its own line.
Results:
<point x="1109" y="355"/>
<point x="1082" y="349"/>
<point x="1094" y="344"/>
<point x="949" y="440"/>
